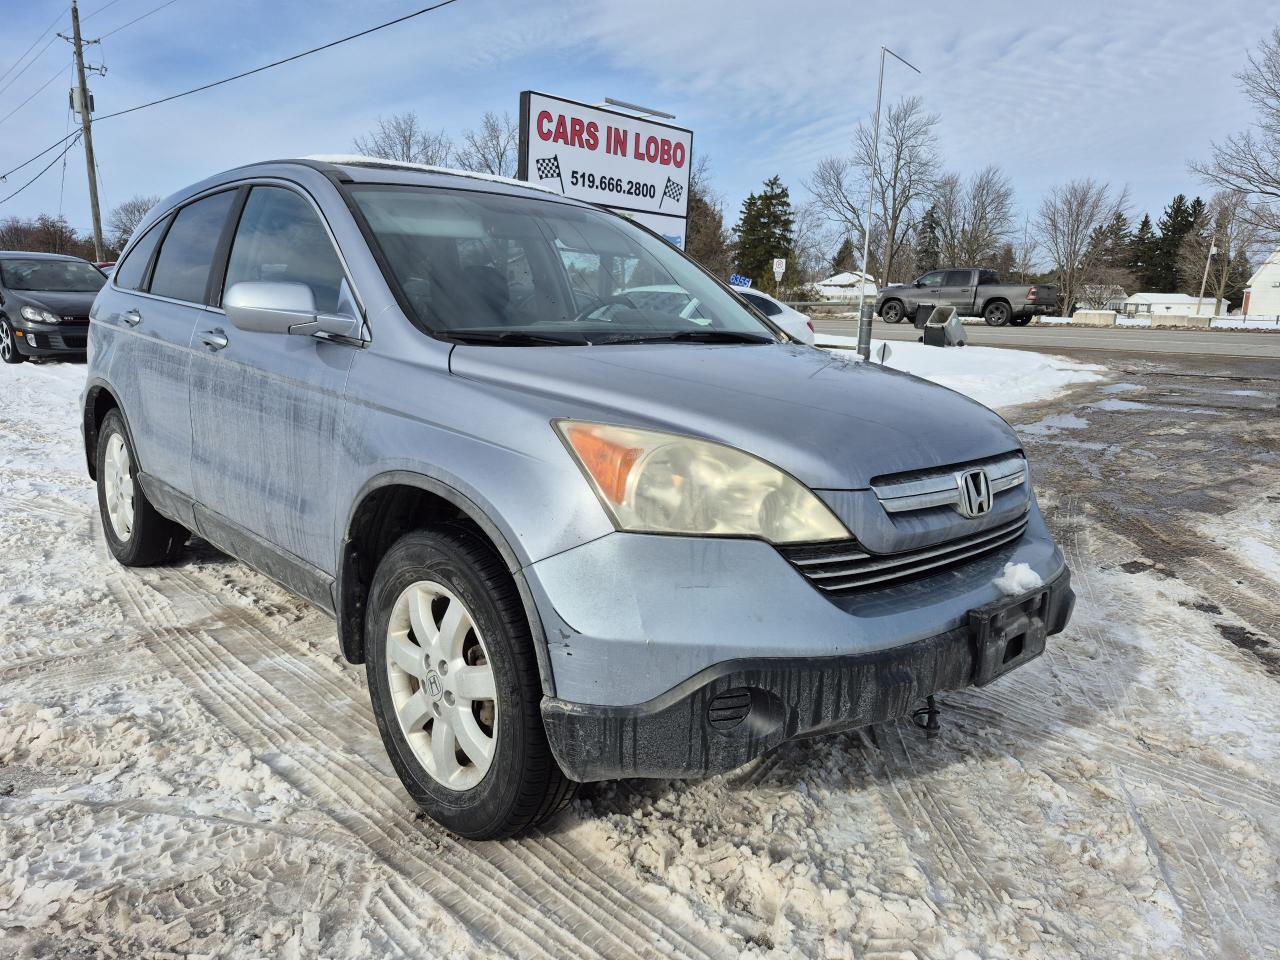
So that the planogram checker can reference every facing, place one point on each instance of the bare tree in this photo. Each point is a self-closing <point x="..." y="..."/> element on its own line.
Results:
<point x="812" y="240"/>
<point x="403" y="137"/>
<point x="900" y="180"/>
<point x="124" y="219"/>
<point x="1068" y="224"/>
<point x="1227" y="228"/>
<point x="706" y="238"/>
<point x="1248" y="163"/>
<point x="975" y="216"/>
<point x="492" y="147"/>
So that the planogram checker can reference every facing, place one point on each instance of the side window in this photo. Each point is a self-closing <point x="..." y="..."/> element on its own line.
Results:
<point x="932" y="279"/>
<point x="767" y="307"/>
<point x="988" y="276"/>
<point x="958" y="278"/>
<point x="280" y="238"/>
<point x="132" y="270"/>
<point x="186" y="255"/>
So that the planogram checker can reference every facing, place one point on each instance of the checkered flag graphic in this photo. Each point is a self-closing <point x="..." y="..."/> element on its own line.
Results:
<point x="672" y="191"/>
<point x="549" y="167"/>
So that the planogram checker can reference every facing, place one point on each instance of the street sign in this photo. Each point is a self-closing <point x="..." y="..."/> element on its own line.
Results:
<point x="639" y="168"/>
<point x="737" y="280"/>
<point x="779" y="268"/>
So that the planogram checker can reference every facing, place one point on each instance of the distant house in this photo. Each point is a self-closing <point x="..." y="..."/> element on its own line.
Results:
<point x="844" y="286"/>
<point x="1262" y="295"/>
<point x="1179" y="304"/>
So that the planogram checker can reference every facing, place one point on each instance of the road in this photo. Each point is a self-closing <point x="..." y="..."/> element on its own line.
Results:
<point x="188" y="767"/>
<point x="1221" y="343"/>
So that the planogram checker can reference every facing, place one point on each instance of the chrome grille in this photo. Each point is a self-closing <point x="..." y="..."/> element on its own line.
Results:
<point x="843" y="567"/>
<point x="940" y="488"/>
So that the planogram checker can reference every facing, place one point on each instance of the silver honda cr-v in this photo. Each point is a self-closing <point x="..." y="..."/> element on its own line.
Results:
<point x="574" y="530"/>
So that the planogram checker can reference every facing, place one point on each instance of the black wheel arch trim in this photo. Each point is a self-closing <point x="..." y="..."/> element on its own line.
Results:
<point x="89" y="429"/>
<point x="350" y="609"/>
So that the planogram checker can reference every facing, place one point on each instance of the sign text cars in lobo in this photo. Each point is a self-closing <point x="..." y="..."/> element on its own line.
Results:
<point x="639" y="168"/>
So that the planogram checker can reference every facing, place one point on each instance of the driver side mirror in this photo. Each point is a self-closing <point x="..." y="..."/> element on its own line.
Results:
<point x="265" y="306"/>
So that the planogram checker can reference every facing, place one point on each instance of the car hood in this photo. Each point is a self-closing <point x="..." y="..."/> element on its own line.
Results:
<point x="832" y="421"/>
<point x="65" y="305"/>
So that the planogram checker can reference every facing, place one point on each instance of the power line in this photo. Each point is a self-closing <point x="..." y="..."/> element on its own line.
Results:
<point x="13" y="79"/>
<point x="105" y="6"/>
<point x="167" y="3"/>
<point x="238" y="76"/>
<point x="39" y="89"/>
<point x="278" y="63"/>
<point x="74" y="137"/>
<point x="32" y="47"/>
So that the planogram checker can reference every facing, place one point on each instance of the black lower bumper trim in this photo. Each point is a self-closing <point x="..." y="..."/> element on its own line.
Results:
<point x="732" y="712"/>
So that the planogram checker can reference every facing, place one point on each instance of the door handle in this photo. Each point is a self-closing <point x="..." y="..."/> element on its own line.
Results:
<point x="131" y="317"/>
<point x="214" y="339"/>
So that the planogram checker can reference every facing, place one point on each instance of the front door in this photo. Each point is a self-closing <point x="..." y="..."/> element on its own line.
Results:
<point x="266" y="407"/>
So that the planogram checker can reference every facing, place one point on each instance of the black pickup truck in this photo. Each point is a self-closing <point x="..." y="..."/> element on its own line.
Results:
<point x="973" y="292"/>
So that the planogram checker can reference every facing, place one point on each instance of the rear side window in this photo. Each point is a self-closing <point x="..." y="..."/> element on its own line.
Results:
<point x="186" y="256"/>
<point x="132" y="270"/>
<point x="280" y="238"/>
<point x="958" y="278"/>
<point x="764" y="305"/>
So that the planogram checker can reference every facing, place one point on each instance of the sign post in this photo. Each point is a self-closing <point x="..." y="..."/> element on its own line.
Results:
<point x="638" y="168"/>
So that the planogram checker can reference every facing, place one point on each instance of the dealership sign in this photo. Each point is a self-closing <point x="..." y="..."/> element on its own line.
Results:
<point x="639" y="168"/>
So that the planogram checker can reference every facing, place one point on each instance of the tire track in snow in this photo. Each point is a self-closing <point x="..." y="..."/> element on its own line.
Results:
<point x="318" y="702"/>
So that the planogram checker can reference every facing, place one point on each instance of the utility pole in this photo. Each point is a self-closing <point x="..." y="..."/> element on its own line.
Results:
<point x="873" y="181"/>
<point x="86" y="127"/>
<point x="1213" y="248"/>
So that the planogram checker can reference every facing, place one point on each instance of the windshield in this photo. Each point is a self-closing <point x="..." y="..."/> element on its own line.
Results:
<point x="56" y="276"/>
<point x="496" y="269"/>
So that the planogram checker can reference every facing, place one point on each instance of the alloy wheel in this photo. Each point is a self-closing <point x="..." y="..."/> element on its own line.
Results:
<point x="6" y="342"/>
<point x="118" y="485"/>
<point x="442" y="684"/>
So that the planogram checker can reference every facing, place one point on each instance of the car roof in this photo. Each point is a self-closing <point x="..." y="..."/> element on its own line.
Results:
<point x="35" y="255"/>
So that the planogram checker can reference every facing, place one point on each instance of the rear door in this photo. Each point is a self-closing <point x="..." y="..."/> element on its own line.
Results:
<point x="266" y="407"/>
<point x="158" y="297"/>
<point x="957" y="291"/>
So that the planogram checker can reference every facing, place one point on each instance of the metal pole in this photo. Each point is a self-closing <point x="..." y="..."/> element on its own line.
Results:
<point x="864" y="322"/>
<point x="1205" y="279"/>
<point x="86" y="128"/>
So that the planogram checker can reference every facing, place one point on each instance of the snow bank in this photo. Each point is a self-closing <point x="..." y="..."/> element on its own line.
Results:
<point x="993" y="376"/>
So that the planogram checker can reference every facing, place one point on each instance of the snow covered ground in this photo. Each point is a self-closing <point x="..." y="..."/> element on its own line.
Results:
<point x="187" y="768"/>
<point x="990" y="375"/>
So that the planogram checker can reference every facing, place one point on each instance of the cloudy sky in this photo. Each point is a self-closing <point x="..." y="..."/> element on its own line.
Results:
<point x="1124" y="92"/>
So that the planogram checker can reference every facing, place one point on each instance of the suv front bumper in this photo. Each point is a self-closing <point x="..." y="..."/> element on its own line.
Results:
<point x="732" y="712"/>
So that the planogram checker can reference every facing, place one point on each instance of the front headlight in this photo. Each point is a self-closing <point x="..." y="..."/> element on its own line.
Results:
<point x="36" y="315"/>
<point x="653" y="482"/>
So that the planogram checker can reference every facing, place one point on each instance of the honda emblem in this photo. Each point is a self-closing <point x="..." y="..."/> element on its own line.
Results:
<point x="975" y="493"/>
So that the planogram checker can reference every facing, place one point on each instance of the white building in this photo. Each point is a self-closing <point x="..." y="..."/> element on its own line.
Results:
<point x="844" y="287"/>
<point x="1170" y="304"/>
<point x="1262" y="295"/>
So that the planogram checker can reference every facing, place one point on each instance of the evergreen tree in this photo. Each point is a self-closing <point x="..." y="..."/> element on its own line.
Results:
<point x="1007" y="262"/>
<point x="845" y="258"/>
<point x="1143" y="254"/>
<point x="928" y="244"/>
<point x="1175" y="224"/>
<point x="706" y="240"/>
<point x="765" y="232"/>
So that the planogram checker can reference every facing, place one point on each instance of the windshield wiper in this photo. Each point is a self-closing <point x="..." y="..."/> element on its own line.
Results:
<point x="694" y="336"/>
<point x="515" y="338"/>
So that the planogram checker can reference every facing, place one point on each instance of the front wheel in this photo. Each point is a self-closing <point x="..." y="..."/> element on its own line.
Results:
<point x="9" y="343"/>
<point x="137" y="535"/>
<point x="891" y="312"/>
<point x="455" y="687"/>
<point x="997" y="314"/>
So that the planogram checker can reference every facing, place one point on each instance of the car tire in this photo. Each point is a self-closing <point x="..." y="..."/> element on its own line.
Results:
<point x="892" y="311"/>
<point x="137" y="535"/>
<point x="479" y="766"/>
<point x="9" y="352"/>
<point x="997" y="313"/>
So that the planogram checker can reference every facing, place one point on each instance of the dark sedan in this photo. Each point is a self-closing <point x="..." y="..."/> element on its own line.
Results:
<point x="44" y="304"/>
